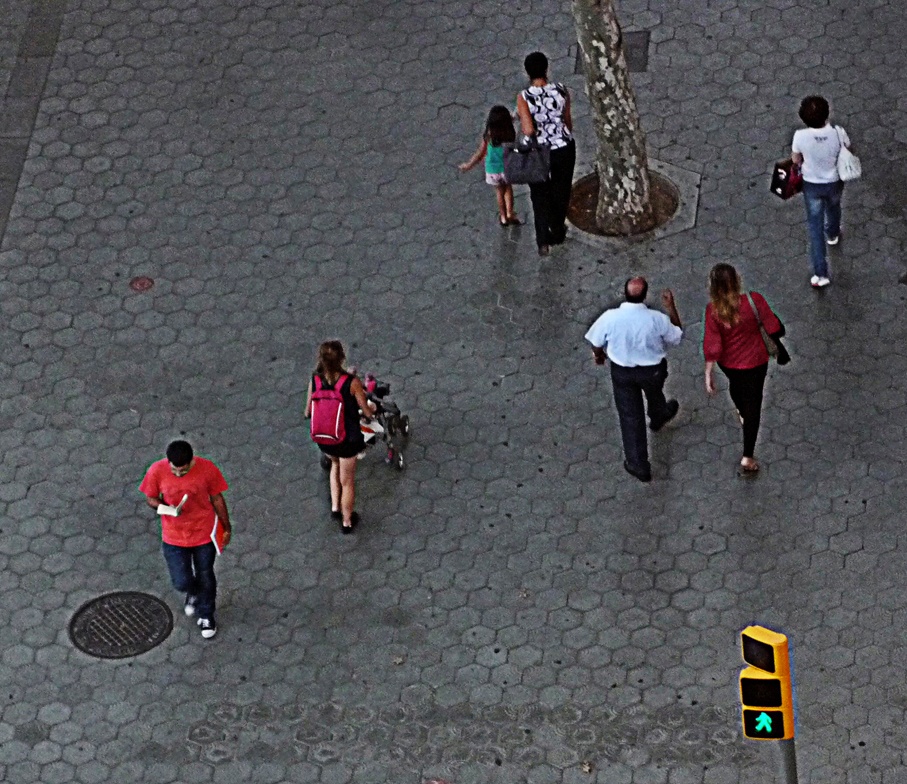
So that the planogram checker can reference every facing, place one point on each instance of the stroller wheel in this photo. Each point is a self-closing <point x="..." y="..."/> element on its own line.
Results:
<point x="325" y="462"/>
<point x="390" y="427"/>
<point x="404" y="424"/>
<point x="399" y="462"/>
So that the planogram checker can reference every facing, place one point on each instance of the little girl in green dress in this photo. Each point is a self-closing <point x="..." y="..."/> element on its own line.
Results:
<point x="498" y="130"/>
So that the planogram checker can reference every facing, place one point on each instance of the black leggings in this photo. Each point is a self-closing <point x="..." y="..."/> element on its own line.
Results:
<point x="746" y="388"/>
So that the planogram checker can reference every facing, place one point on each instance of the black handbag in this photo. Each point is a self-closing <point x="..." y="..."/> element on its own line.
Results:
<point x="527" y="162"/>
<point x="773" y="343"/>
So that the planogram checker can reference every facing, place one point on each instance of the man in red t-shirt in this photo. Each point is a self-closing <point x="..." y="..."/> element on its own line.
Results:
<point x="192" y="487"/>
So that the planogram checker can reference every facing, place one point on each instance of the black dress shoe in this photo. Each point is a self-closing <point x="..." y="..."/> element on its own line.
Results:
<point x="672" y="408"/>
<point x="642" y="476"/>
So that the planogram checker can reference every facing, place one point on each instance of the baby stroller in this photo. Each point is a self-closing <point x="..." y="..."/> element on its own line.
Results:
<point x="388" y="424"/>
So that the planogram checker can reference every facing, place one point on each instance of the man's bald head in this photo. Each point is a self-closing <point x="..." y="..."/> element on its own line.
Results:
<point x="635" y="289"/>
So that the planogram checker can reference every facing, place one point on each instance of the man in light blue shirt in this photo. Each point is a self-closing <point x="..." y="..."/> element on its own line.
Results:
<point x="635" y="339"/>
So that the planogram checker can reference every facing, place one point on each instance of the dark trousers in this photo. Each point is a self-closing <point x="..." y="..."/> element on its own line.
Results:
<point x="550" y="199"/>
<point x="745" y="387"/>
<point x="630" y="385"/>
<point x="192" y="572"/>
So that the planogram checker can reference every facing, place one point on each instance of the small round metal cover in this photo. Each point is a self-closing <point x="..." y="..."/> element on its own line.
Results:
<point x="117" y="625"/>
<point x="141" y="283"/>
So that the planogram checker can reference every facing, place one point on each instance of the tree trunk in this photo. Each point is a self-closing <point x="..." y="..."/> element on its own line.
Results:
<point x="624" y="198"/>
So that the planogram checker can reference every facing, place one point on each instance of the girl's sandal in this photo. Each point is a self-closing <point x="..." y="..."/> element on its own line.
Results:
<point x="503" y="222"/>
<point x="514" y="220"/>
<point x="750" y="467"/>
<point x="348" y="529"/>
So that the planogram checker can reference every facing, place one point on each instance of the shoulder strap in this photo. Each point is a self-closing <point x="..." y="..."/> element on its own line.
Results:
<point x="838" y="130"/>
<point x="317" y="382"/>
<point x="341" y="380"/>
<point x="755" y="309"/>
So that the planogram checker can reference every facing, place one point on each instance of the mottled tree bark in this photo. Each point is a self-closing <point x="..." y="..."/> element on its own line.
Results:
<point x="624" y="198"/>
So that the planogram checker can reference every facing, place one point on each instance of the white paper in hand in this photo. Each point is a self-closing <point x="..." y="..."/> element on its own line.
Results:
<point x="172" y="511"/>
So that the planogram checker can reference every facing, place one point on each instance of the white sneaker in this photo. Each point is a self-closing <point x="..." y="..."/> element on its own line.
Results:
<point x="208" y="627"/>
<point x="832" y="240"/>
<point x="813" y="280"/>
<point x="189" y="607"/>
<point x="820" y="282"/>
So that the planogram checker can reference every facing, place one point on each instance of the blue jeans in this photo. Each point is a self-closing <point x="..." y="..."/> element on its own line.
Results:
<point x="823" y="219"/>
<point x="630" y="385"/>
<point x="192" y="572"/>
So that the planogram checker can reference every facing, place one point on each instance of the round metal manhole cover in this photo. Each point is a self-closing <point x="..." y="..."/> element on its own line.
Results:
<point x="121" y="624"/>
<point x="141" y="283"/>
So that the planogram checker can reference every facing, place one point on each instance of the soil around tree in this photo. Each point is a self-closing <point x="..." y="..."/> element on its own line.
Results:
<point x="584" y="200"/>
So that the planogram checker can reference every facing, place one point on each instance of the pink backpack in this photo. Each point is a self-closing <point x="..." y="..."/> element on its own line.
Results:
<point x="328" y="423"/>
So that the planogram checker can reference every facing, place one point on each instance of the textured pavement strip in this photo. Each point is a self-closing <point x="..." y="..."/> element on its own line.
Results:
<point x="513" y="606"/>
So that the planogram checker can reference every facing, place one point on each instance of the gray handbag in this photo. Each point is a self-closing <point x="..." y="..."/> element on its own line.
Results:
<point x="527" y="162"/>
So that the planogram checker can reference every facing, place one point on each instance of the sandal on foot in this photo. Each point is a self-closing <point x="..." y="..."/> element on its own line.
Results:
<point x="354" y="521"/>
<point x="514" y="220"/>
<point x="750" y="467"/>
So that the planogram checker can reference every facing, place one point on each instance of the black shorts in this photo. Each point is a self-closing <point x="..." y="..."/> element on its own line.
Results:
<point x="346" y="449"/>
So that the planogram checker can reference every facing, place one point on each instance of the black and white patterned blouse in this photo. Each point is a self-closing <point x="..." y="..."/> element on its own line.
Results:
<point x="546" y="105"/>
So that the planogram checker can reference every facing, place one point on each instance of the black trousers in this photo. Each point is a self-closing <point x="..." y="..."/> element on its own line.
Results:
<point x="745" y="387"/>
<point x="550" y="199"/>
<point x="630" y="385"/>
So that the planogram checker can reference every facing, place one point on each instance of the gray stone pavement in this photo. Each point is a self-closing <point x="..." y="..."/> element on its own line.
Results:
<point x="514" y="607"/>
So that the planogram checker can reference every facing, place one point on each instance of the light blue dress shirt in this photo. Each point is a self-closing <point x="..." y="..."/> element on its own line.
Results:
<point x="633" y="335"/>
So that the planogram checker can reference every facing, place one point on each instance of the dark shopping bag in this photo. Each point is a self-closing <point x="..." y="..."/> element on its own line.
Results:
<point x="787" y="180"/>
<point x="527" y="162"/>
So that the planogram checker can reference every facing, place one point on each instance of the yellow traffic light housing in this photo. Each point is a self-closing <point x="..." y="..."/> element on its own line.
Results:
<point x="765" y="686"/>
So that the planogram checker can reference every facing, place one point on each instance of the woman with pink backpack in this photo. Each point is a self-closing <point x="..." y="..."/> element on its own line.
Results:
<point x="334" y="401"/>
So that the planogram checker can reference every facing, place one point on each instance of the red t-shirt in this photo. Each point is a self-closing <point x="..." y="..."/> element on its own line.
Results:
<point x="740" y="346"/>
<point x="194" y="524"/>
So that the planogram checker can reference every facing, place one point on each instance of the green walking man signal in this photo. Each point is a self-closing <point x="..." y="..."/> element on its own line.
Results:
<point x="765" y="687"/>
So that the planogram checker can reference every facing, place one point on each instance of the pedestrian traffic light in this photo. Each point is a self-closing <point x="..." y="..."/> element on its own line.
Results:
<point x="765" y="688"/>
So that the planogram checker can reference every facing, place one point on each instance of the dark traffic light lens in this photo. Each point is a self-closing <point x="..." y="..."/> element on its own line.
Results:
<point x="758" y="654"/>
<point x="760" y="693"/>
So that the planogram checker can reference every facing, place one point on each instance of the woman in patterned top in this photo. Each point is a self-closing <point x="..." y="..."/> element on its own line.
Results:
<point x="544" y="112"/>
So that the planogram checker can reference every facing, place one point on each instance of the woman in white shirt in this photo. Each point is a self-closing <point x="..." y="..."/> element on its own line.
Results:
<point x="815" y="149"/>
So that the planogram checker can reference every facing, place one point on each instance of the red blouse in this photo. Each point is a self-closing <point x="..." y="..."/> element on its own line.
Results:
<point x="740" y="346"/>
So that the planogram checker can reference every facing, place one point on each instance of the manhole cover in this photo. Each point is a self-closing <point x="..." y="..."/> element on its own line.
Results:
<point x="120" y="624"/>
<point x="141" y="283"/>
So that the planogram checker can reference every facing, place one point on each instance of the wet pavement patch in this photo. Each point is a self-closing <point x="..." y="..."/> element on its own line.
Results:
<point x="122" y="624"/>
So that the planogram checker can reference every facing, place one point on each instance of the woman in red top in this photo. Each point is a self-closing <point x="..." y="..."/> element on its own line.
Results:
<point x="733" y="340"/>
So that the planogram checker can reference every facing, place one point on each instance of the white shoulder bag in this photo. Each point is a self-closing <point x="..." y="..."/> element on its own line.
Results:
<point x="849" y="167"/>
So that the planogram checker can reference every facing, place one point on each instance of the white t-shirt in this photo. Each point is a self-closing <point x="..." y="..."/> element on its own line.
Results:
<point x="819" y="148"/>
<point x="633" y="335"/>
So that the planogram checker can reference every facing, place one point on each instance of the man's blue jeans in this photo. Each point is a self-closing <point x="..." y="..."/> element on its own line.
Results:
<point x="823" y="219"/>
<point x="192" y="572"/>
